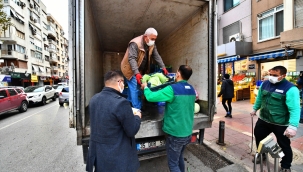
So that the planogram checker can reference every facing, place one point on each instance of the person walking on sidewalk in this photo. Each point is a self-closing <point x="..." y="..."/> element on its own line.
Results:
<point x="227" y="92"/>
<point x="300" y="85"/>
<point x="178" y="117"/>
<point x="136" y="62"/>
<point x="279" y="104"/>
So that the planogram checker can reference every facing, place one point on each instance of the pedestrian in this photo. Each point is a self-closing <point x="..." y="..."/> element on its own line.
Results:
<point x="279" y="104"/>
<point x="113" y="125"/>
<point x="227" y="92"/>
<point x="178" y="116"/>
<point x="300" y="85"/>
<point x="136" y="62"/>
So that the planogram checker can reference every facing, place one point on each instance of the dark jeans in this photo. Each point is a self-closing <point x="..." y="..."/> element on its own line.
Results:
<point x="228" y="103"/>
<point x="263" y="129"/>
<point x="175" y="147"/>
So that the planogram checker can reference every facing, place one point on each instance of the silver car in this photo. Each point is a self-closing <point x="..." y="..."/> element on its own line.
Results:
<point x="64" y="96"/>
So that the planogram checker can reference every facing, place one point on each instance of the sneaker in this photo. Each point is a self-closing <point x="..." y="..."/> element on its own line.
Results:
<point x="258" y="161"/>
<point x="284" y="170"/>
<point x="301" y="121"/>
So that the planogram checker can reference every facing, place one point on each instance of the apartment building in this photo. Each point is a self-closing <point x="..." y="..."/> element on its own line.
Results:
<point x="234" y="36"/>
<point x="33" y="47"/>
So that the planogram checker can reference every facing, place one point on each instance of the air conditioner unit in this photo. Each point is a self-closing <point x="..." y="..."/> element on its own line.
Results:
<point x="44" y="39"/>
<point x="236" y="37"/>
<point x="31" y="18"/>
<point x="31" y="5"/>
<point x="35" y="20"/>
<point x="25" y="56"/>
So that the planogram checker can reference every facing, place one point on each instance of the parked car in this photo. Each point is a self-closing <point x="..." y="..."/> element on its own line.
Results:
<point x="64" y="96"/>
<point x="12" y="99"/>
<point x="40" y="94"/>
<point x="58" y="89"/>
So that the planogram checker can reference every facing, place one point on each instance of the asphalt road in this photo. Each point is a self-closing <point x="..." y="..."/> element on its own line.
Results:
<point x="41" y="140"/>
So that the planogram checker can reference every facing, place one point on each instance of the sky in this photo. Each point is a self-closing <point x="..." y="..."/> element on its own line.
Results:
<point x="59" y="10"/>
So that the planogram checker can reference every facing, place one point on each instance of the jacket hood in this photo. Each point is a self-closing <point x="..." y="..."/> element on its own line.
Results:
<point x="229" y="81"/>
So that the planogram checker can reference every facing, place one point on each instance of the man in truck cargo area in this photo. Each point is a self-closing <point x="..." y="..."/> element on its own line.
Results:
<point x="112" y="145"/>
<point x="178" y="117"/>
<point x="279" y="104"/>
<point x="136" y="62"/>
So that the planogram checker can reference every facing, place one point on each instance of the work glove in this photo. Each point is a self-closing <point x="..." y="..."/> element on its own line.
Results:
<point x="138" y="78"/>
<point x="253" y="113"/>
<point x="165" y="71"/>
<point x="289" y="132"/>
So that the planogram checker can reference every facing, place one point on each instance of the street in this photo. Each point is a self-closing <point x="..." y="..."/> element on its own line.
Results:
<point x="41" y="140"/>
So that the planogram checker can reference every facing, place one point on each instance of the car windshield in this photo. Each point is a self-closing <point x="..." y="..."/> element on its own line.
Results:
<point x="33" y="89"/>
<point x="59" y="88"/>
<point x="65" y="89"/>
<point x="55" y="86"/>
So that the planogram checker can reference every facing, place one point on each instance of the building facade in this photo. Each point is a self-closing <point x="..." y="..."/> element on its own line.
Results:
<point x="31" y="48"/>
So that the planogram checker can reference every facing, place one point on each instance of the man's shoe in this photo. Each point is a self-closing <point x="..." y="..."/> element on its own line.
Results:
<point x="230" y="116"/>
<point x="258" y="161"/>
<point x="301" y="121"/>
<point x="284" y="170"/>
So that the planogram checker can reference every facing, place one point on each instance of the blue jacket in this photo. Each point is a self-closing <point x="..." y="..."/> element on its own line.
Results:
<point x="112" y="145"/>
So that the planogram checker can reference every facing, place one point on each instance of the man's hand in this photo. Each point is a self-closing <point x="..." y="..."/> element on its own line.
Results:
<point x="289" y="132"/>
<point x="138" y="114"/>
<point x="143" y="85"/>
<point x="138" y="78"/>
<point x="253" y="113"/>
<point x="165" y="71"/>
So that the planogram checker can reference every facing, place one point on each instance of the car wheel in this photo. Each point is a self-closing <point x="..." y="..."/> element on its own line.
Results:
<point x="61" y="104"/>
<point x="54" y="98"/>
<point x="23" y="107"/>
<point x="43" y="102"/>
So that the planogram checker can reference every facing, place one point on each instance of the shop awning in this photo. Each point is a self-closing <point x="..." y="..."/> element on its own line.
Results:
<point x="271" y="55"/>
<point x="41" y="69"/>
<point x="35" y="68"/>
<point x="230" y="59"/>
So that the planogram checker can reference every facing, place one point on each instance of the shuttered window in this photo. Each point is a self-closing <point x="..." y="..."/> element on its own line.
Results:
<point x="230" y="30"/>
<point x="298" y="13"/>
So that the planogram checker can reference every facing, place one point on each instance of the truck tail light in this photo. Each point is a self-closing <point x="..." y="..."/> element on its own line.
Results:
<point x="194" y="137"/>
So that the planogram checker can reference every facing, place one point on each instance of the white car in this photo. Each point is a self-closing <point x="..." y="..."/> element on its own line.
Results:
<point x="40" y="94"/>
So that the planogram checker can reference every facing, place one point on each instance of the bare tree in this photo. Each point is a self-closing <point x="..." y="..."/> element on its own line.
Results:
<point x="5" y="21"/>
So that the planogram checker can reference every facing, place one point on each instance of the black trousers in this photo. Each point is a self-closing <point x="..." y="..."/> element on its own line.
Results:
<point x="228" y="103"/>
<point x="263" y="129"/>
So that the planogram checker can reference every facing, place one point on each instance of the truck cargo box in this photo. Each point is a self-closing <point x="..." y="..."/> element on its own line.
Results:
<point x="100" y="31"/>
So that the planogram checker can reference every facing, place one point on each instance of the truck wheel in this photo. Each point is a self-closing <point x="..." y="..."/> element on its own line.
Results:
<point x="54" y="98"/>
<point x="23" y="107"/>
<point x="43" y="102"/>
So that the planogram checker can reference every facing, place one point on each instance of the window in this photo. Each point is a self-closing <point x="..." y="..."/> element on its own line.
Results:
<point x="228" y="4"/>
<point x="19" y="48"/>
<point x="298" y="13"/>
<point x="38" y="55"/>
<point x="3" y="93"/>
<point x="12" y="92"/>
<point x="20" y="34"/>
<point x="270" y="23"/>
<point x="18" y="90"/>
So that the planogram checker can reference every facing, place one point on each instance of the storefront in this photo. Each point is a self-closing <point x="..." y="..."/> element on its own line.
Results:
<point x="20" y="79"/>
<point x="5" y="80"/>
<point x="34" y="80"/>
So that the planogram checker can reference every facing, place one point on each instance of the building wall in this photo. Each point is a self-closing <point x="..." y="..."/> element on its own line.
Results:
<point x="241" y="12"/>
<point x="257" y="8"/>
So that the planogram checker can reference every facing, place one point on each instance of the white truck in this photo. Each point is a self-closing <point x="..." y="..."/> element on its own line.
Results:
<point x="99" y="33"/>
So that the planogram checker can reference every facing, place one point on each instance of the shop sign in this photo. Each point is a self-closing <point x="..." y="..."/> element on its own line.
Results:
<point x="251" y="66"/>
<point x="15" y="75"/>
<point x="5" y="78"/>
<point x="42" y="78"/>
<point x="34" y="78"/>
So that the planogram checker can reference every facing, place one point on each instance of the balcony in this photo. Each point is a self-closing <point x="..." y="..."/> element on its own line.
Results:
<point x="234" y="48"/>
<point x="52" y="49"/>
<point x="12" y="55"/>
<point x="53" y="59"/>
<point x="54" y="68"/>
<point x="292" y="38"/>
<point x="51" y="32"/>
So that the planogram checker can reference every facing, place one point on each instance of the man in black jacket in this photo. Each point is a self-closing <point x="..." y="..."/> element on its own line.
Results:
<point x="112" y="145"/>
<point x="227" y="92"/>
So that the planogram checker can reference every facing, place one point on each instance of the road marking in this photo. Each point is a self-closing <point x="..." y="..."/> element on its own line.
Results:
<point x="26" y="117"/>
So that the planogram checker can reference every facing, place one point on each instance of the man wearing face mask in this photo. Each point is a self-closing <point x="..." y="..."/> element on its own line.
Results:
<point x="136" y="62"/>
<point x="113" y="125"/>
<point x="279" y="104"/>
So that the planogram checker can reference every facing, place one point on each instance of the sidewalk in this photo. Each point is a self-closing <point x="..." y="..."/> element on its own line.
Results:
<point x="238" y="131"/>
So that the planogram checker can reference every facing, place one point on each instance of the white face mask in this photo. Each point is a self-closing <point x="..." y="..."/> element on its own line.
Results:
<point x="273" y="79"/>
<point x="150" y="42"/>
<point x="120" y="89"/>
